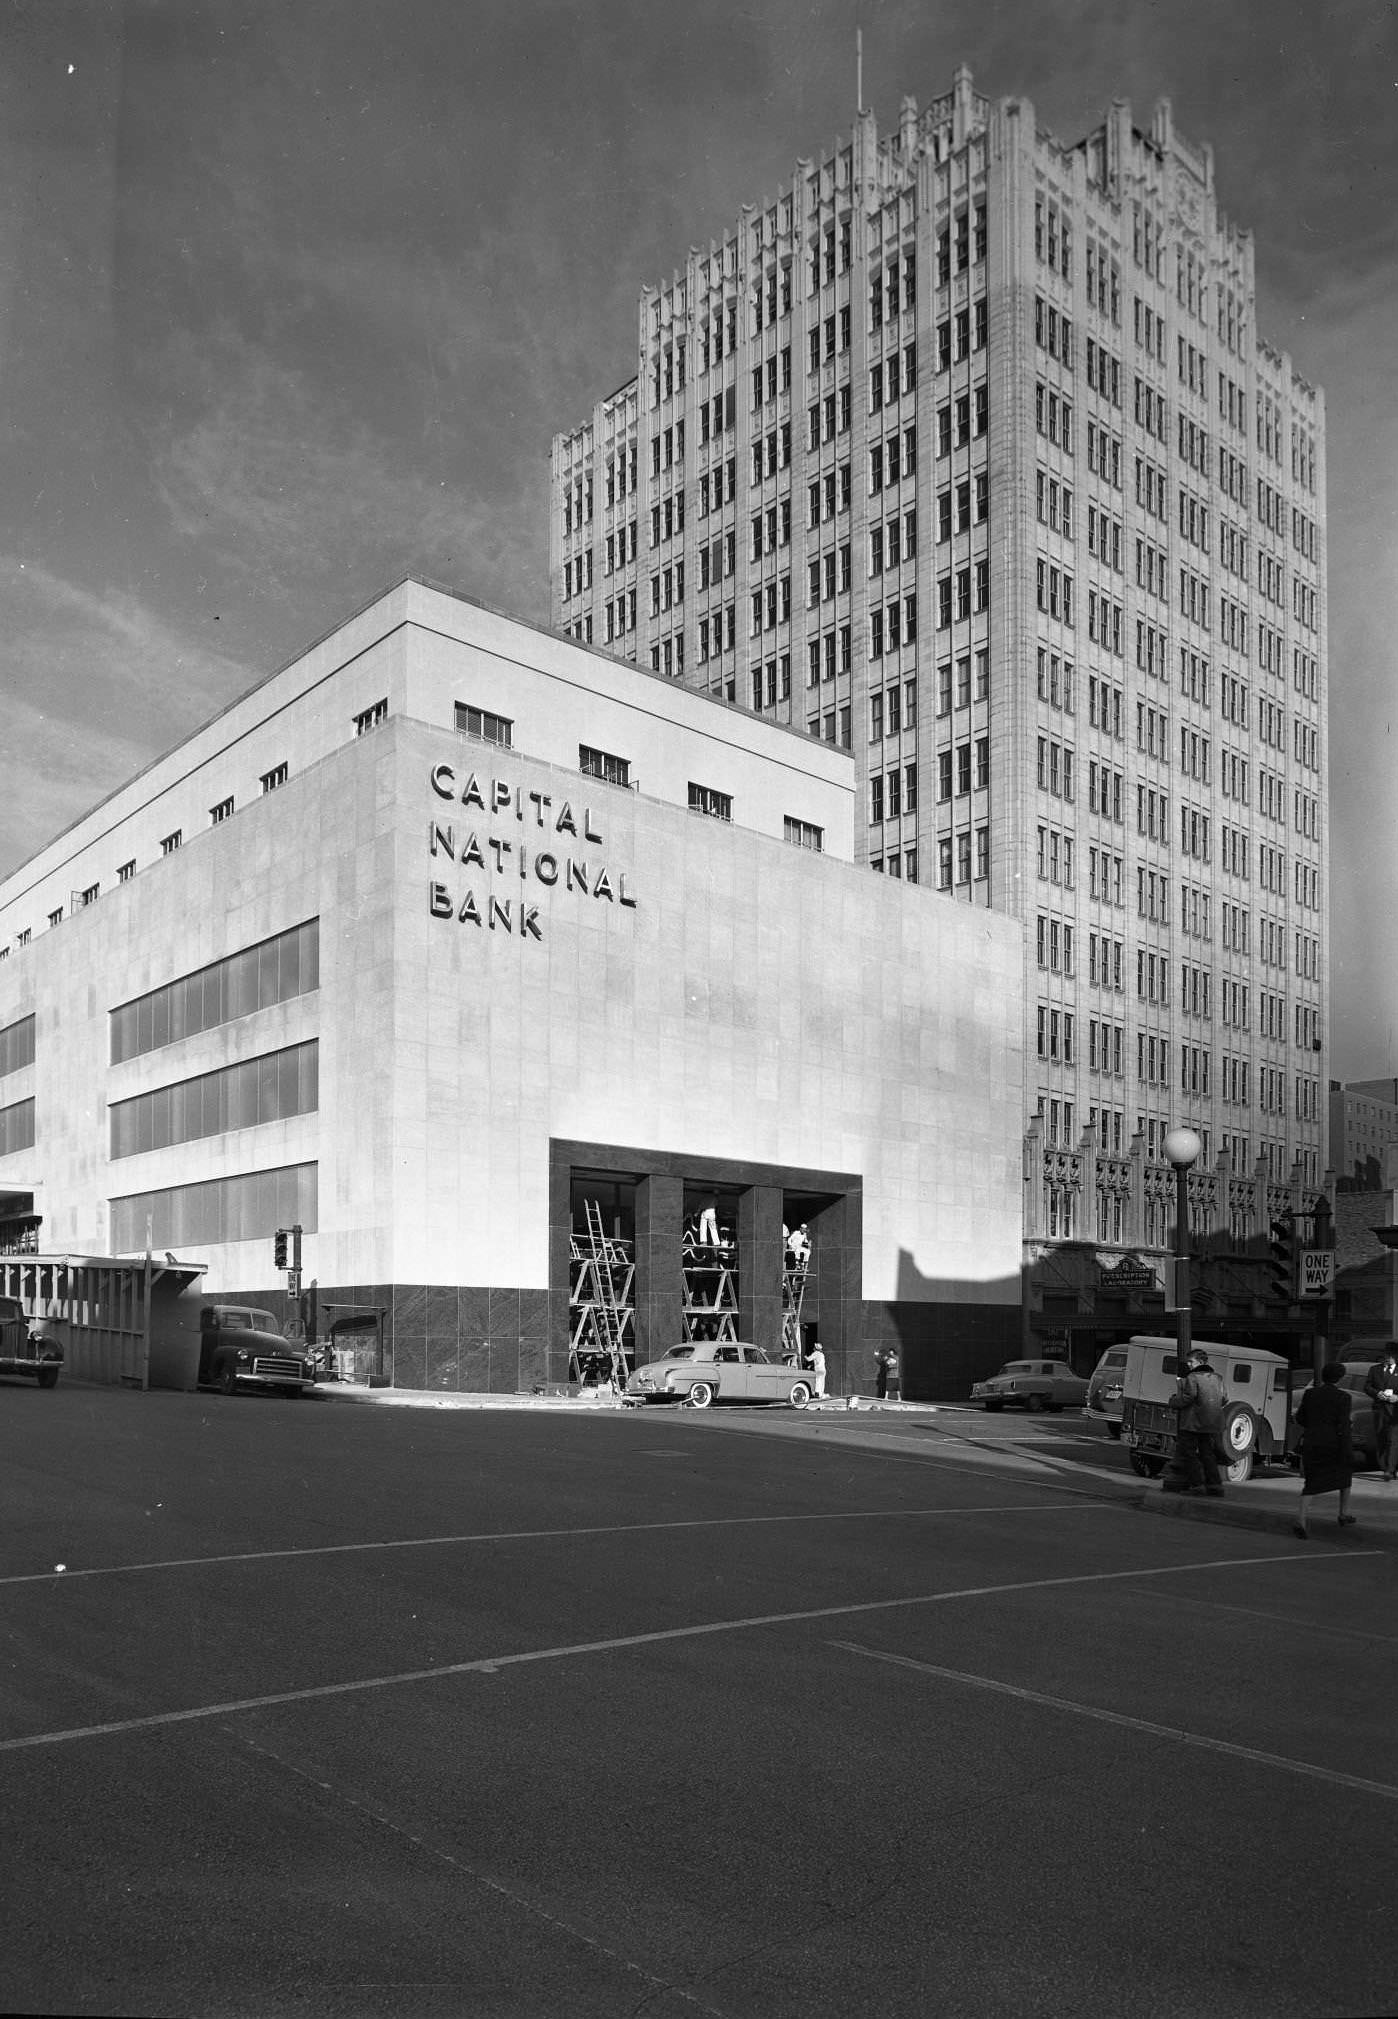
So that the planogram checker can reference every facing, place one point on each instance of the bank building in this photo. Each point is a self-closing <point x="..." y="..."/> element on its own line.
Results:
<point x="541" y="995"/>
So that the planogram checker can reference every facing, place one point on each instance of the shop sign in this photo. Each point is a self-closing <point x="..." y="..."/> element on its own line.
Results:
<point x="1130" y="1274"/>
<point x="543" y="853"/>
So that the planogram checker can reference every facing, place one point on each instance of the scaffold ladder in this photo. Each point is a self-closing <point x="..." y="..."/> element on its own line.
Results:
<point x="793" y="1295"/>
<point x="602" y="1303"/>
<point x="710" y="1291"/>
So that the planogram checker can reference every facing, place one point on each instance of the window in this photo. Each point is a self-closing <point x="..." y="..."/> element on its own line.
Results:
<point x="89" y="896"/>
<point x="218" y="814"/>
<point x="803" y="833"/>
<point x="17" y="1045"/>
<point x="125" y="872"/>
<point x="704" y="799"/>
<point x="171" y="842"/>
<point x="369" y="718"/>
<point x="271" y="971"/>
<point x="248" y="1207"/>
<point x="602" y="764"/>
<point x="269" y="1088"/>
<point x="481" y="723"/>
<point x="275" y="777"/>
<point x="17" y="1127"/>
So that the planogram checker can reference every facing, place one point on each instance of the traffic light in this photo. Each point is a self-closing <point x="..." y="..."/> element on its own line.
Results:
<point x="279" y="1242"/>
<point x="1282" y="1257"/>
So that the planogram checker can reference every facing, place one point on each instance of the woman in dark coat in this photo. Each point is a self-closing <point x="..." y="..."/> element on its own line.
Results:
<point x="1327" y="1452"/>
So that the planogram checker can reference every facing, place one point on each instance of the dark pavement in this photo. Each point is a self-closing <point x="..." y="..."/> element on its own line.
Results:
<point x="399" y="1710"/>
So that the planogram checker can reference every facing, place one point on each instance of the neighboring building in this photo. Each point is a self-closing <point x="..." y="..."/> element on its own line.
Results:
<point x="1363" y="1122"/>
<point x="451" y="930"/>
<point x="961" y="451"/>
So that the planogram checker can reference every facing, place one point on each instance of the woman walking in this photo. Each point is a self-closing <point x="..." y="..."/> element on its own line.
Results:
<point x="1327" y="1450"/>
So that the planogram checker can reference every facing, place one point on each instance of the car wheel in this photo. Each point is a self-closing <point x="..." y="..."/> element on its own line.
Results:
<point x="701" y="1395"/>
<point x="1146" y="1466"/>
<point x="1238" y="1470"/>
<point x="1238" y="1434"/>
<point x="1036" y="1404"/>
<point x="48" y="1378"/>
<point x="1114" y="1430"/>
<point x="993" y="1408"/>
<point x="228" y="1380"/>
<point x="798" y="1395"/>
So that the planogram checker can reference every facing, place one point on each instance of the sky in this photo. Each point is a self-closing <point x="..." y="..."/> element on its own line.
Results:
<point x="294" y="295"/>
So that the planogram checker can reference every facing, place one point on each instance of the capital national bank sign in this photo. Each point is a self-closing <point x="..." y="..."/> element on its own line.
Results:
<point x="464" y="838"/>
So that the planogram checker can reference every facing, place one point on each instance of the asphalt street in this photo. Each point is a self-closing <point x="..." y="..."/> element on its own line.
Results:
<point x="316" y="1709"/>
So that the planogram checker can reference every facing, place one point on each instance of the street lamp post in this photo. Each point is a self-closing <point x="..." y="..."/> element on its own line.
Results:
<point x="1182" y="1147"/>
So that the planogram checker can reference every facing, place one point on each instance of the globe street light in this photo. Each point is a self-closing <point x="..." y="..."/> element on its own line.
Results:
<point x="1182" y="1147"/>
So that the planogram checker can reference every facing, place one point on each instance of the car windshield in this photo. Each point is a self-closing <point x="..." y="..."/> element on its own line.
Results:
<point x="1018" y="1367"/>
<point x="233" y="1320"/>
<point x="679" y="1353"/>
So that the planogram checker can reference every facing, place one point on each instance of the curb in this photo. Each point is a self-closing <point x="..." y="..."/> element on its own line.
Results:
<point x="1248" y="1514"/>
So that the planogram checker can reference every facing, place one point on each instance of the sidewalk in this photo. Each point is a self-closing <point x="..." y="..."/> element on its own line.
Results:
<point x="1267" y="1501"/>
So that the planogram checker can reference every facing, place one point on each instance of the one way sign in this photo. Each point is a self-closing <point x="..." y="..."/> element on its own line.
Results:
<point x="1317" y="1272"/>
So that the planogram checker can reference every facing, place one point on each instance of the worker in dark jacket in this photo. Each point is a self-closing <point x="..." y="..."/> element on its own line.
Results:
<point x="1200" y="1400"/>
<point x="1381" y="1387"/>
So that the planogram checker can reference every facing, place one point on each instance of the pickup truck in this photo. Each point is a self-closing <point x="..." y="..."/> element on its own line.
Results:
<point x="23" y="1351"/>
<point x="241" y="1345"/>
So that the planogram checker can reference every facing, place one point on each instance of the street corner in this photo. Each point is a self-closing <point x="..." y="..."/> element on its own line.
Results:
<point x="1271" y="1508"/>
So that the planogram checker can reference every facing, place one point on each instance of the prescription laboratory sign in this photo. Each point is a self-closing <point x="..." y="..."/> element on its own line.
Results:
<point x="498" y="852"/>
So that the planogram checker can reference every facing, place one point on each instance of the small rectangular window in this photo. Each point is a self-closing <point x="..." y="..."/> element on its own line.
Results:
<point x="369" y="718"/>
<point x="704" y="799"/>
<point x="602" y="764"/>
<point x="803" y="833"/>
<point x="171" y="842"/>
<point x="275" y="777"/>
<point x="218" y="814"/>
<point x="125" y="872"/>
<point x="481" y="723"/>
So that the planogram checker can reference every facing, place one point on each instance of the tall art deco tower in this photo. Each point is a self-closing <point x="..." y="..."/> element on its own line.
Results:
<point x="963" y="451"/>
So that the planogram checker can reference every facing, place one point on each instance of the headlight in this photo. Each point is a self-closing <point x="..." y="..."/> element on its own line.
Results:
<point x="243" y="1353"/>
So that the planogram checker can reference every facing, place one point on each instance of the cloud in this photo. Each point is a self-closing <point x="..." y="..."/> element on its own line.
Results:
<point x="96" y="686"/>
<point x="277" y="481"/>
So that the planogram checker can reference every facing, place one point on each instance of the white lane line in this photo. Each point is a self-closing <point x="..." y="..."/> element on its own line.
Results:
<point x="492" y="1664"/>
<point x="1105" y="1717"/>
<point x="541" y="1535"/>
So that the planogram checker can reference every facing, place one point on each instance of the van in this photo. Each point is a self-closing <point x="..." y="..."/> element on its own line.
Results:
<point x="1256" y="1419"/>
<point x="1104" y="1389"/>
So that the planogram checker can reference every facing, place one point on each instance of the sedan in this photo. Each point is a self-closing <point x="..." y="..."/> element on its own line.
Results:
<point x="702" y="1372"/>
<point x="1032" y="1384"/>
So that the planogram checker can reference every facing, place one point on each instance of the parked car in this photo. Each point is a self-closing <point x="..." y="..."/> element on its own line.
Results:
<point x="23" y="1351"/>
<point x="1105" y="1388"/>
<point x="1032" y="1384"/>
<point x="700" y="1373"/>
<point x="242" y="1345"/>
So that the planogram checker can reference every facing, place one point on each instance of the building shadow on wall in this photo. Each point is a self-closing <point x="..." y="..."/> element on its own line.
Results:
<point x="944" y="1340"/>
